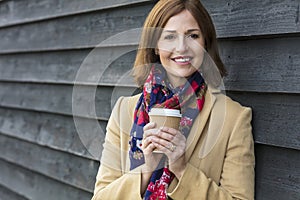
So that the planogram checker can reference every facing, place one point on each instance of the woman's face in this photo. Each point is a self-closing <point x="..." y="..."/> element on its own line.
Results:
<point x="181" y="47"/>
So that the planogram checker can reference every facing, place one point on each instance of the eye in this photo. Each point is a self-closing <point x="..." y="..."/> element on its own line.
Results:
<point x="169" y="37"/>
<point x="193" y="36"/>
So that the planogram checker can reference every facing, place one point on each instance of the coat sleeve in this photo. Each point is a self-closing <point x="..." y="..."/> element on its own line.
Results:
<point x="111" y="181"/>
<point x="237" y="177"/>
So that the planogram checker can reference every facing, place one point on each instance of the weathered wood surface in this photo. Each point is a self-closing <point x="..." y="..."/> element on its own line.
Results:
<point x="232" y="19"/>
<point x="272" y="111"/>
<point x="72" y="170"/>
<point x="58" y="98"/>
<point x="277" y="173"/>
<point x="243" y="18"/>
<point x="25" y="11"/>
<point x="51" y="130"/>
<point x="265" y="65"/>
<point x="275" y="117"/>
<point x="7" y="194"/>
<point x="35" y="186"/>
<point x="74" y="32"/>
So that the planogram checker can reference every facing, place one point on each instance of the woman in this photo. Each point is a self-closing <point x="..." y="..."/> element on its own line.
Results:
<point x="211" y="156"/>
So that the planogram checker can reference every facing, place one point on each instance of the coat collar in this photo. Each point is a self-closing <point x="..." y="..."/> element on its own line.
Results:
<point x="200" y="122"/>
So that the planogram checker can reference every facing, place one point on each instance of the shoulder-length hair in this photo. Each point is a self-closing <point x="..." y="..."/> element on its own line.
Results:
<point x="157" y="20"/>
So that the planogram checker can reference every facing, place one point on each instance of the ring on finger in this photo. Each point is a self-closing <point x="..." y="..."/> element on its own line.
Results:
<point x="172" y="147"/>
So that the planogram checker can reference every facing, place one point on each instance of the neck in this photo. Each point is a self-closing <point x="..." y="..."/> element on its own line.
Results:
<point x="177" y="81"/>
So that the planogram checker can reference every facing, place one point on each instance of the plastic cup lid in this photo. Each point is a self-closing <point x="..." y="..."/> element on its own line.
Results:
<point x="165" y="112"/>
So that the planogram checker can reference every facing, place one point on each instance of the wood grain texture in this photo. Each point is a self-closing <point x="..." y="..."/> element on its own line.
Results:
<point x="73" y="32"/>
<point x="54" y="131"/>
<point x="58" y="99"/>
<point x="244" y="18"/>
<point x="17" y="12"/>
<point x="275" y="117"/>
<point x="232" y="19"/>
<point x="277" y="173"/>
<point x="76" y="171"/>
<point x="35" y="186"/>
<point x="264" y="65"/>
<point x="7" y="194"/>
<point x="271" y="111"/>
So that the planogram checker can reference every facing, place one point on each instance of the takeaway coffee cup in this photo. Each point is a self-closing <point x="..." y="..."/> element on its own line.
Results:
<point x="165" y="117"/>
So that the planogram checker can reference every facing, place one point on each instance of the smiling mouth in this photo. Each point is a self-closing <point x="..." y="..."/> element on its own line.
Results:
<point x="182" y="60"/>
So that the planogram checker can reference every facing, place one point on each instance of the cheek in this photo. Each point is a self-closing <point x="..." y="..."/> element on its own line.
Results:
<point x="164" y="55"/>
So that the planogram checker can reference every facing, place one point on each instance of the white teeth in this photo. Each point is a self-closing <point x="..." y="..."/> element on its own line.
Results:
<point x="182" y="59"/>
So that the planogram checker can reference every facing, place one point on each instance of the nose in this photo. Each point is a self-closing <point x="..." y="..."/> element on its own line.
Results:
<point x="181" y="45"/>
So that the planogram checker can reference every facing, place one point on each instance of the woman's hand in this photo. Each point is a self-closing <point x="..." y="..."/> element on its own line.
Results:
<point x="151" y="159"/>
<point x="169" y="141"/>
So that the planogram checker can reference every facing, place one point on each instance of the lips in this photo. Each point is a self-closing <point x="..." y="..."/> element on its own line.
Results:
<point x="182" y="59"/>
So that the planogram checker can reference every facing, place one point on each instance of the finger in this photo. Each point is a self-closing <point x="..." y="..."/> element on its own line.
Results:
<point x="162" y="148"/>
<point x="149" y="147"/>
<point x="165" y="135"/>
<point x="150" y="125"/>
<point x="146" y="142"/>
<point x="170" y="130"/>
<point x="162" y="142"/>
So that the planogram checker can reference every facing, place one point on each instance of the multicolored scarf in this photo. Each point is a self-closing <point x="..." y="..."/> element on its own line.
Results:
<point x="158" y="92"/>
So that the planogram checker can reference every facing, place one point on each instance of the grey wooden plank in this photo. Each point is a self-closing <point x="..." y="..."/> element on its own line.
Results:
<point x="35" y="186"/>
<point x="275" y="117"/>
<point x="272" y="112"/>
<point x="264" y="65"/>
<point x="269" y="65"/>
<point x="7" y="194"/>
<point x="248" y="17"/>
<point x="62" y="166"/>
<point x="232" y="19"/>
<point x="73" y="32"/>
<point x="91" y="101"/>
<point x="47" y="67"/>
<point x="16" y="12"/>
<point x="277" y="173"/>
<point x="54" y="131"/>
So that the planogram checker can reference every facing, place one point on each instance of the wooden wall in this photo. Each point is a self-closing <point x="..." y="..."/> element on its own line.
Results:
<point x="44" y="43"/>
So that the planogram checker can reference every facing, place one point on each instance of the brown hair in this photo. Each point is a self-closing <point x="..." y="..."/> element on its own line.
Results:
<point x="157" y="19"/>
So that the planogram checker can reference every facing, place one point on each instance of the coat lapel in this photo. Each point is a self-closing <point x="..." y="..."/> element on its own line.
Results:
<point x="200" y="123"/>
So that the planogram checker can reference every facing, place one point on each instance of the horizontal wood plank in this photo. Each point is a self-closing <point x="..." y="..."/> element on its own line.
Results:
<point x="54" y="131"/>
<point x="17" y="12"/>
<point x="275" y="117"/>
<point x="90" y="102"/>
<point x="74" y="32"/>
<point x="64" y="167"/>
<point x="262" y="65"/>
<point x="272" y="112"/>
<point x="232" y="19"/>
<point x="253" y="65"/>
<point x="33" y="185"/>
<point x="7" y="194"/>
<point x="277" y="173"/>
<point x="244" y="18"/>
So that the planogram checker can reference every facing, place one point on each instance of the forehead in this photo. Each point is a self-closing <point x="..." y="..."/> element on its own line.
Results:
<point x="182" y="21"/>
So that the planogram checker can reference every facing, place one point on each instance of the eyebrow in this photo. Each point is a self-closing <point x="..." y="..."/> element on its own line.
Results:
<point x="188" y="31"/>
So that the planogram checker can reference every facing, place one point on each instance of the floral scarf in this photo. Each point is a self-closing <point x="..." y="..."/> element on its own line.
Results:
<point x="158" y="92"/>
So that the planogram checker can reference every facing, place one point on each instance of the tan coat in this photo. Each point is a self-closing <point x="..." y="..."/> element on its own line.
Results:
<point x="220" y="154"/>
